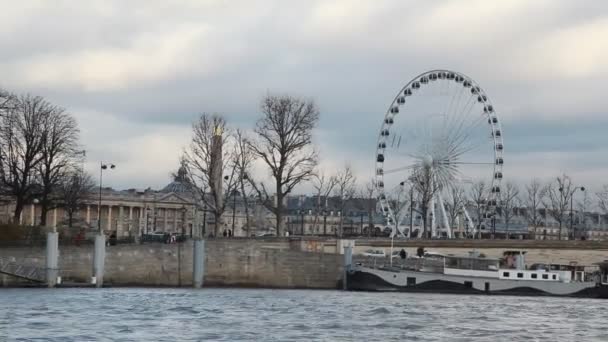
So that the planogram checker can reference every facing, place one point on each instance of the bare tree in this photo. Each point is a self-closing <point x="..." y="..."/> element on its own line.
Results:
<point x="60" y="138"/>
<point x="323" y="186"/>
<point x="455" y="205"/>
<point x="208" y="159"/>
<point x="477" y="195"/>
<point x="6" y="100"/>
<point x="284" y="144"/>
<point x="243" y="160"/>
<point x="603" y="199"/>
<point x="582" y="206"/>
<point x="73" y="191"/>
<point x="426" y="187"/>
<point x="21" y="143"/>
<point x="533" y="199"/>
<point x="368" y="193"/>
<point x="558" y="199"/>
<point x="399" y="199"/>
<point x="509" y="200"/>
<point x="345" y="190"/>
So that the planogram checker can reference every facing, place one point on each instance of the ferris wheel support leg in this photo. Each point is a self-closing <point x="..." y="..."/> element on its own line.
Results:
<point x="433" y="218"/>
<point x="398" y="220"/>
<point x="446" y="222"/>
<point x="470" y="222"/>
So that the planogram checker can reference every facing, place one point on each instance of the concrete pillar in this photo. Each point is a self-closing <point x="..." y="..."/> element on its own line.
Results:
<point x="348" y="262"/>
<point x="109" y="226"/>
<point x="198" y="272"/>
<point x="55" y="218"/>
<point x="99" y="257"/>
<point x="88" y="214"/>
<point x="52" y="256"/>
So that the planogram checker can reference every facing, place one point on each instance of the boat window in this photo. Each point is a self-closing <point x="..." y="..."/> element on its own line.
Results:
<point x="411" y="281"/>
<point x="534" y="275"/>
<point x="505" y="274"/>
<point x="554" y="277"/>
<point x="520" y="275"/>
<point x="468" y="284"/>
<point x="545" y="276"/>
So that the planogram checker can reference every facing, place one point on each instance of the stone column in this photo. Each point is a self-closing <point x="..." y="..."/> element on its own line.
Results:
<point x="33" y="215"/>
<point x="119" y="222"/>
<point x="55" y="218"/>
<point x="130" y="225"/>
<point x="166" y="219"/>
<point x="109" y="227"/>
<point x="52" y="255"/>
<point x="175" y="229"/>
<point x="88" y="214"/>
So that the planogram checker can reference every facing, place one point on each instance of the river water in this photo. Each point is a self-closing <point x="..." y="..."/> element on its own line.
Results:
<point x="141" y="314"/>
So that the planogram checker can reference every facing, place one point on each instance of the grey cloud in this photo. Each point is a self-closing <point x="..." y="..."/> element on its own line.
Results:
<point x="145" y="65"/>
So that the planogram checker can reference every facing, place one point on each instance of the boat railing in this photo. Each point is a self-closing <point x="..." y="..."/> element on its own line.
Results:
<point x="397" y="264"/>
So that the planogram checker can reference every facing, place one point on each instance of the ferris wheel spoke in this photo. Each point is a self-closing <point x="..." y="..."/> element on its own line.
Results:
<point x="403" y="168"/>
<point x="471" y="163"/>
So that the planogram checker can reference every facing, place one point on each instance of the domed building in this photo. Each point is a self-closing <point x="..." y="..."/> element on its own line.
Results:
<point x="180" y="184"/>
<point x="176" y="208"/>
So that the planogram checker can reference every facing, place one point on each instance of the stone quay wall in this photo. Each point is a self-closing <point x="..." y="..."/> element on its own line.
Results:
<point x="273" y="263"/>
<point x="229" y="262"/>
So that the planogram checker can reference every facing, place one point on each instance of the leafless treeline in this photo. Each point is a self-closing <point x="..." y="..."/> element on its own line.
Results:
<point x="39" y="155"/>
<point x="220" y="160"/>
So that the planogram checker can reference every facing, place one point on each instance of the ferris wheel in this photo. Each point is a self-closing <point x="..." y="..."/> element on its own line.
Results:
<point x="442" y="138"/>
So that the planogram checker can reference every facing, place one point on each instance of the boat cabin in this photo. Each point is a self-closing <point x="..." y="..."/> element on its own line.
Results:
<point x="513" y="267"/>
<point x="603" y="266"/>
<point x="472" y="265"/>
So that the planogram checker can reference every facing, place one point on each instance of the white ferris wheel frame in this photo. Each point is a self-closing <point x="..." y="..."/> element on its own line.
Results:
<point x="392" y="114"/>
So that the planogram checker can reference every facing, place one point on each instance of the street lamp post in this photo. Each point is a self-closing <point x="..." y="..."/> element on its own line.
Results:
<point x="582" y="188"/>
<point x="361" y="223"/>
<point x="233" y="210"/>
<point x="324" y="222"/>
<point x="302" y="222"/>
<point x="101" y="168"/>
<point x="561" y="189"/>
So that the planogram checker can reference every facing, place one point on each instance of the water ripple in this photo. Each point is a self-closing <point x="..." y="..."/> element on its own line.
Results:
<point x="290" y="315"/>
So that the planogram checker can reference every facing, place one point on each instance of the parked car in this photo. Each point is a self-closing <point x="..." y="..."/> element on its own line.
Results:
<point x="156" y="237"/>
<point x="378" y="253"/>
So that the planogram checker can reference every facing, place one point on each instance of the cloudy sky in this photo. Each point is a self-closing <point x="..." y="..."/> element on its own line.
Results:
<point x="136" y="73"/>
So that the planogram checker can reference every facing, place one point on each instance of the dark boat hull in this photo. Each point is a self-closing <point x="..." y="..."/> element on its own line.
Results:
<point x="361" y="280"/>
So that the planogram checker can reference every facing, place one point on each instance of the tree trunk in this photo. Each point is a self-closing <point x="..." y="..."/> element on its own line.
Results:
<point x="18" y="209"/>
<point x="44" y="210"/>
<point x="246" y="203"/>
<point x="218" y="224"/>
<point x="70" y="218"/>
<point x="279" y="211"/>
